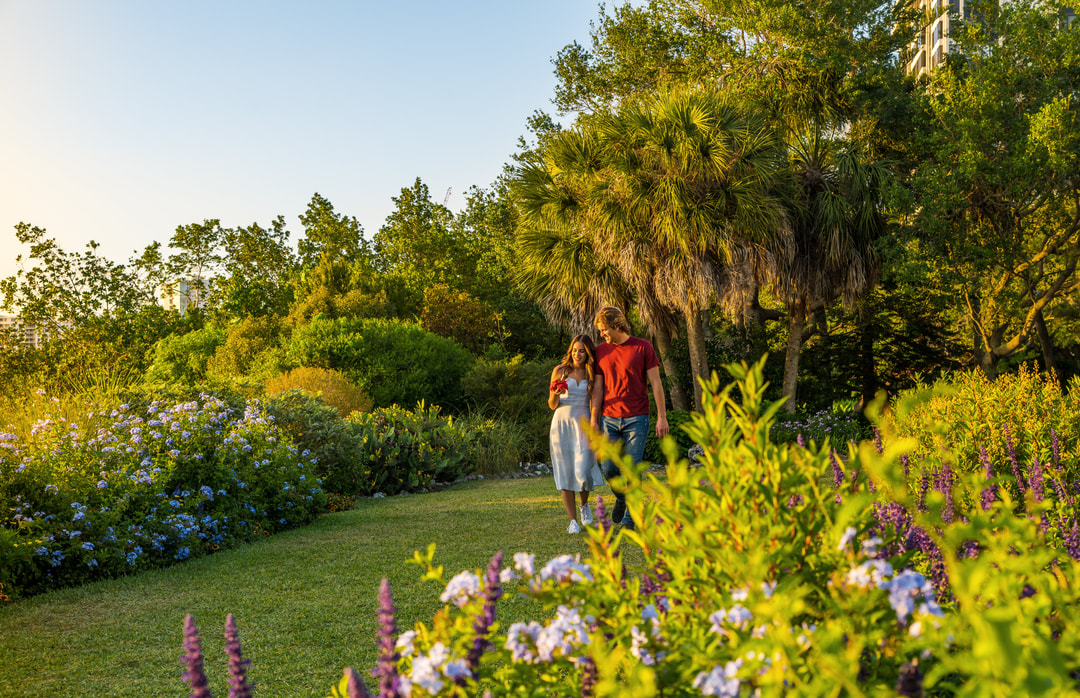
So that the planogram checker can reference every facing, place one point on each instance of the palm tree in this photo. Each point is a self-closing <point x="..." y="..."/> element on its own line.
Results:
<point x="836" y="213"/>
<point x="674" y="193"/>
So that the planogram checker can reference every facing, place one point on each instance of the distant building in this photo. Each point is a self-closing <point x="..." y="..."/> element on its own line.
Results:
<point x="27" y="333"/>
<point x="928" y="50"/>
<point x="183" y="294"/>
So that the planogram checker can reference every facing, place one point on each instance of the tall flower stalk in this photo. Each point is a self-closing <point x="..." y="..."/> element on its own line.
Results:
<point x="386" y="671"/>
<point x="492" y="593"/>
<point x="192" y="660"/>
<point x="238" y="683"/>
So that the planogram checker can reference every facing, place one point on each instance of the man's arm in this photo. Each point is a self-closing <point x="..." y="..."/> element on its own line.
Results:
<point x="653" y="374"/>
<point x="597" y="400"/>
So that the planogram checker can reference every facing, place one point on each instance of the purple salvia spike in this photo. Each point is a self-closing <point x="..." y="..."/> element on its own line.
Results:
<point x="802" y="444"/>
<point x="588" y="678"/>
<point x="946" y="488"/>
<point x="1071" y="539"/>
<point x="386" y="670"/>
<point x="354" y="685"/>
<point x="877" y="442"/>
<point x="837" y="471"/>
<point x="907" y="465"/>
<point x="924" y="487"/>
<point x="195" y="676"/>
<point x="602" y="515"/>
<point x="238" y="684"/>
<point x="1038" y="485"/>
<point x="989" y="493"/>
<point x="493" y="591"/>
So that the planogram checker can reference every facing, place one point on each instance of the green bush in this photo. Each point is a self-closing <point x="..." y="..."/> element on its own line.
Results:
<point x="184" y="358"/>
<point x="513" y="390"/>
<point x="497" y="446"/>
<point x="759" y="581"/>
<point x="332" y="387"/>
<point x="841" y="425"/>
<point x="394" y="362"/>
<point x="317" y="428"/>
<point x="246" y="346"/>
<point x="402" y="450"/>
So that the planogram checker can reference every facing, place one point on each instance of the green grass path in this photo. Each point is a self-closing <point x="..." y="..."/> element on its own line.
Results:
<point x="304" y="600"/>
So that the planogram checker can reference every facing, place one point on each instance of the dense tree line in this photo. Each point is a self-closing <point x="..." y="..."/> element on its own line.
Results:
<point x="739" y="176"/>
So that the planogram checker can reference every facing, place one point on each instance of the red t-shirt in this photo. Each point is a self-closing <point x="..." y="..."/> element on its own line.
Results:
<point x="624" y="367"/>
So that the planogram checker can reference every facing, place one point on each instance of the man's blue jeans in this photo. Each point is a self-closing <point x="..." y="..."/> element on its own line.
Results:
<point x="633" y="431"/>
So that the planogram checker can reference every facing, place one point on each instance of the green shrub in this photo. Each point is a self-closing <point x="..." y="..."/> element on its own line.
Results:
<point x="497" y="446"/>
<point x="514" y="391"/>
<point x="332" y="387"/>
<point x="245" y="346"/>
<point x="840" y="425"/>
<point x="758" y="581"/>
<point x="317" y="428"/>
<point x="184" y="358"/>
<point x="402" y="450"/>
<point x="394" y="362"/>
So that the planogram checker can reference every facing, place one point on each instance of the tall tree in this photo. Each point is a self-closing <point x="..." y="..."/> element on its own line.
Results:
<point x="196" y="262"/>
<point x="997" y="176"/>
<point x="329" y="235"/>
<point x="259" y="265"/>
<point x="669" y="191"/>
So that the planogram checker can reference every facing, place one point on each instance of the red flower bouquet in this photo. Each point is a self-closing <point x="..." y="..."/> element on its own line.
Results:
<point x="559" y="386"/>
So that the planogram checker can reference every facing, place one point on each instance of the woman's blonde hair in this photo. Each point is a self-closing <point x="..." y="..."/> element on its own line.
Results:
<point x="610" y="316"/>
<point x="590" y="363"/>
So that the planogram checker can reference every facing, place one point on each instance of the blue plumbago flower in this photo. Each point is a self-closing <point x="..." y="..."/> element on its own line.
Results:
<point x="87" y="546"/>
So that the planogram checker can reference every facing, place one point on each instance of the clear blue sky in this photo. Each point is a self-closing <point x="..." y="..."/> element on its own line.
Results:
<point x="123" y="119"/>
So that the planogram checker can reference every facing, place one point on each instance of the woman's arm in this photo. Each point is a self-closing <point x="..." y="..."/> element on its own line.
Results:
<point x="553" y="397"/>
<point x="596" y="400"/>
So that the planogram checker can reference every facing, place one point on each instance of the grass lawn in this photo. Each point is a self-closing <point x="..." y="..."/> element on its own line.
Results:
<point x="304" y="600"/>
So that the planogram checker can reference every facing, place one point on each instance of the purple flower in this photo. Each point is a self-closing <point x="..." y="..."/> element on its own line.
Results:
<point x="386" y="671"/>
<point x="1018" y="473"/>
<point x="1071" y="539"/>
<point x="1054" y="448"/>
<point x="492" y="593"/>
<point x="354" y="685"/>
<point x="192" y="659"/>
<point x="837" y="471"/>
<point x="802" y="444"/>
<point x="588" y="678"/>
<point x="602" y="516"/>
<point x="943" y="483"/>
<point x="238" y="684"/>
<point x="989" y="493"/>
<point x="1038" y="486"/>
<point x="877" y="441"/>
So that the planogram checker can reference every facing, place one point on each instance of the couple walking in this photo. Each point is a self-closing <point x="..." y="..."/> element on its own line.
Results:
<point x="605" y="384"/>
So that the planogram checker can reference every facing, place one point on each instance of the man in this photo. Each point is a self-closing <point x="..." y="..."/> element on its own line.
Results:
<point x="624" y="365"/>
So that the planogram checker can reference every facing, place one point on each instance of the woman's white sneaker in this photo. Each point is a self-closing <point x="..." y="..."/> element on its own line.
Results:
<point x="573" y="527"/>
<point x="586" y="515"/>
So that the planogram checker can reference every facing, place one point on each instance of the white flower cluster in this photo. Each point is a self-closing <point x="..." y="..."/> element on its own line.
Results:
<point x="461" y="588"/>
<point x="429" y="670"/>
<point x="533" y="643"/>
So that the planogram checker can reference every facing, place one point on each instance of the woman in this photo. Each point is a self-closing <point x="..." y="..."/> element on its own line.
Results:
<point x="572" y="461"/>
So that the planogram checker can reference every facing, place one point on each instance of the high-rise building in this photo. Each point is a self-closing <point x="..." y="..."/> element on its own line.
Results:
<point x="928" y="50"/>
<point x="28" y="334"/>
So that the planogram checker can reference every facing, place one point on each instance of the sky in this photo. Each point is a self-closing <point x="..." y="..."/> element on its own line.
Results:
<point x="123" y="119"/>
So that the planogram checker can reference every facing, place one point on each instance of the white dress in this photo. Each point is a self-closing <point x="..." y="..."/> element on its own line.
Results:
<point x="572" y="461"/>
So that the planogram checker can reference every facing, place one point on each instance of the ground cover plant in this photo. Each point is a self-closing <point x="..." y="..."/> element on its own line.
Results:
<point x="758" y="581"/>
<point x="116" y="490"/>
<point x="305" y="600"/>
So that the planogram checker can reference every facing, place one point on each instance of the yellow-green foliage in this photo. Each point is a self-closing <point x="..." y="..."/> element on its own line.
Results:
<point x="332" y="386"/>
<point x="968" y="412"/>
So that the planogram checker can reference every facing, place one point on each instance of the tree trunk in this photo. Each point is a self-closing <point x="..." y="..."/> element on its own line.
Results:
<point x="796" y="325"/>
<point x="667" y="358"/>
<point x="1047" y="345"/>
<point x="699" y="362"/>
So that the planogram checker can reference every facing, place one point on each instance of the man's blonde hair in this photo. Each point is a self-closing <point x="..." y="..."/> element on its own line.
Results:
<point x="612" y="317"/>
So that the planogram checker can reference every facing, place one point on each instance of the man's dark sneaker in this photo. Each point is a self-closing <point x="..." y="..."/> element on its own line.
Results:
<point x="618" y="512"/>
<point x="628" y="524"/>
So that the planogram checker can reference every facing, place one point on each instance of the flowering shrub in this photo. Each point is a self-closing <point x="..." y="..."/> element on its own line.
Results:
<point x="840" y="424"/>
<point x="757" y="581"/>
<point x="128" y="490"/>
